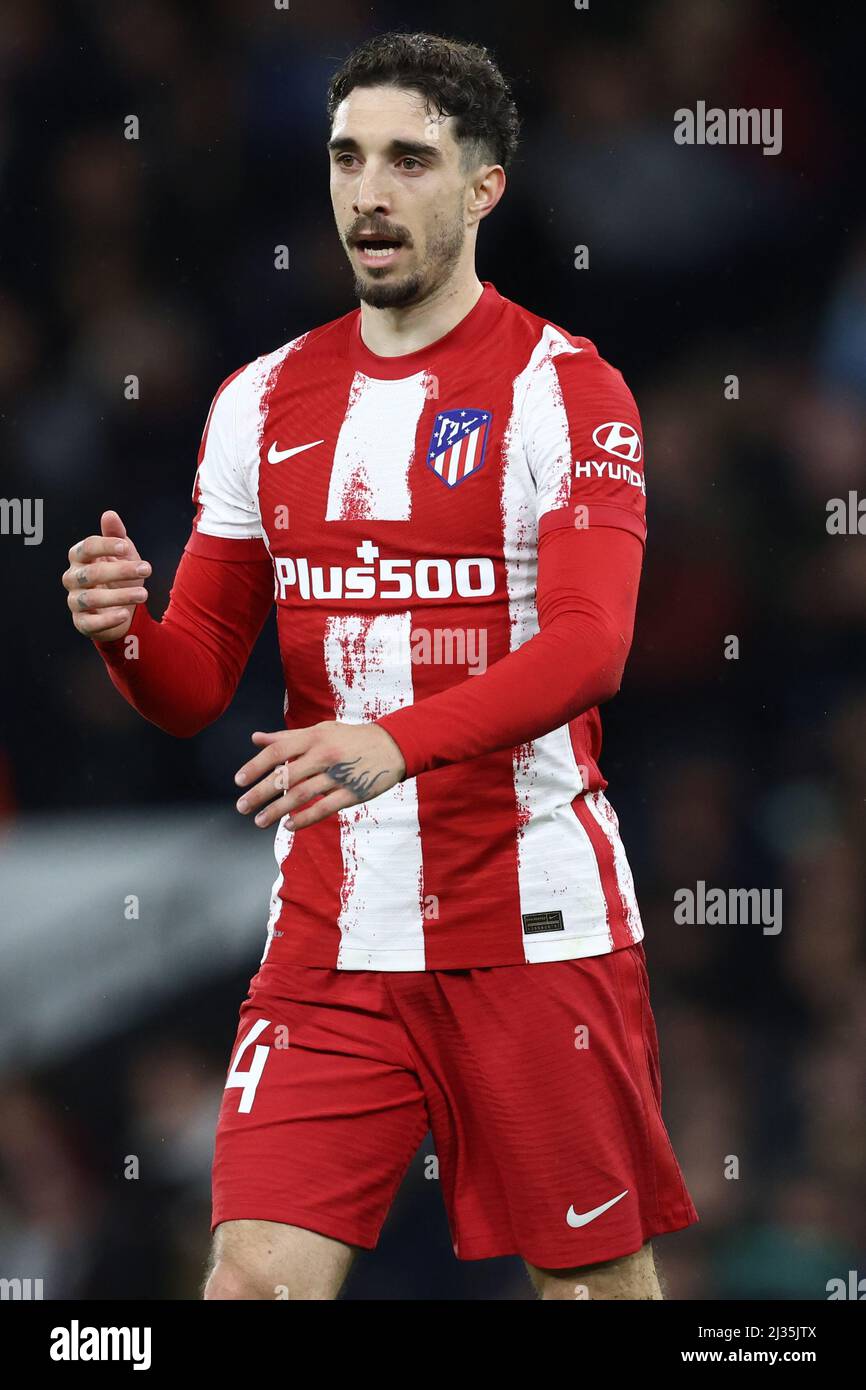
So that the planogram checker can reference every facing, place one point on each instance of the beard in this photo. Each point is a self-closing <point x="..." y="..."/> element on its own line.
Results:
<point x="415" y="285"/>
<point x="391" y="294"/>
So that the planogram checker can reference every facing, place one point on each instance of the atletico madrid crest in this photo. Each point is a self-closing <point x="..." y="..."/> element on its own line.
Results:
<point x="457" y="444"/>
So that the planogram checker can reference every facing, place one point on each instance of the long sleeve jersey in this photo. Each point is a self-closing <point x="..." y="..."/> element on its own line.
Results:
<point x="453" y="539"/>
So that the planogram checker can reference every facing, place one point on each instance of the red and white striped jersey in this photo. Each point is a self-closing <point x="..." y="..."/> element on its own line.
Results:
<point x="402" y="501"/>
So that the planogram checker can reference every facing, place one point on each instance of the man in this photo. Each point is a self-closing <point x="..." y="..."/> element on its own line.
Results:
<point x="444" y="495"/>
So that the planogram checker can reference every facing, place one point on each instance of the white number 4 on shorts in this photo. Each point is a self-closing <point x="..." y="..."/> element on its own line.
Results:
<point x="249" y="1080"/>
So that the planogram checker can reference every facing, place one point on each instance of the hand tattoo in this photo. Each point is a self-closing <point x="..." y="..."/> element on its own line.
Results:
<point x="361" y="783"/>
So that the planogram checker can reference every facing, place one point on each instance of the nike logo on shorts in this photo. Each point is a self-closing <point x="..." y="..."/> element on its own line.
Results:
<point x="583" y="1218"/>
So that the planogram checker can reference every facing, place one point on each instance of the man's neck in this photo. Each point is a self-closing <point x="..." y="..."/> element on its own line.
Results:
<point x="394" y="332"/>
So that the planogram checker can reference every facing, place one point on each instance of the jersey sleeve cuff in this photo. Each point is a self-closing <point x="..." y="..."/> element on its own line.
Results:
<point x="399" y="725"/>
<point x="114" y="652"/>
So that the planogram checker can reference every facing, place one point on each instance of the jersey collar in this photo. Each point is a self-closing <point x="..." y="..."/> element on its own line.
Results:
<point x="471" y="329"/>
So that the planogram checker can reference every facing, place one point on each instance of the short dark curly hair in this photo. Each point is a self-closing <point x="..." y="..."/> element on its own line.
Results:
<point x="455" y="78"/>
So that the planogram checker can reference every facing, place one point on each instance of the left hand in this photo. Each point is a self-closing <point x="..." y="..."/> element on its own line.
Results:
<point x="342" y="764"/>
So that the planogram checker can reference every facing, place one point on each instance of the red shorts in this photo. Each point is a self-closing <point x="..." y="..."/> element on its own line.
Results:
<point x="540" y="1083"/>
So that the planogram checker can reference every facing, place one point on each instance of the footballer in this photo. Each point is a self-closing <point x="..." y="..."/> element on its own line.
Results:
<point x="453" y="940"/>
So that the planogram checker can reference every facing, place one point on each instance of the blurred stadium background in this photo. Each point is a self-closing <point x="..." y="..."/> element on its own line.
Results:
<point x="156" y="257"/>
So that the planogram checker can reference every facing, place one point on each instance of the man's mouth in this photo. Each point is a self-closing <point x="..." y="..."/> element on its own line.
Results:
<point x="377" y="250"/>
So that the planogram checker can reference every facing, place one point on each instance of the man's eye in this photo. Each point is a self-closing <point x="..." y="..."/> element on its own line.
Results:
<point x="410" y="159"/>
<point x="343" y="158"/>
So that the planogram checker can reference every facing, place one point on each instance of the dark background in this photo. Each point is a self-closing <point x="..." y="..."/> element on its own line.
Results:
<point x="156" y="257"/>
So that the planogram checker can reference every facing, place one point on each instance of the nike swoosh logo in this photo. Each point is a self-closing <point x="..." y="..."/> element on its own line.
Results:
<point x="276" y="455"/>
<point x="583" y="1218"/>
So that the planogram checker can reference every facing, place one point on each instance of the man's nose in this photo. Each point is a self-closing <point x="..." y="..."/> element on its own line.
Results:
<point x="372" y="195"/>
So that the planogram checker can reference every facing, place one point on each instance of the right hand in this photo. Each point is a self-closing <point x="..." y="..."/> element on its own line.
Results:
<point x="105" y="581"/>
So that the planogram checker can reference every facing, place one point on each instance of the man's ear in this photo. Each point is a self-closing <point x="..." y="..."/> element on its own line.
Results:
<point x="485" y="191"/>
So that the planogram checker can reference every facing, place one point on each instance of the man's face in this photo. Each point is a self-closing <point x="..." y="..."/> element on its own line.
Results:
<point x="399" y="194"/>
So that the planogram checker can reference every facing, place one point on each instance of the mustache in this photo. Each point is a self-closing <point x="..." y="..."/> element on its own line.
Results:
<point x="377" y="231"/>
